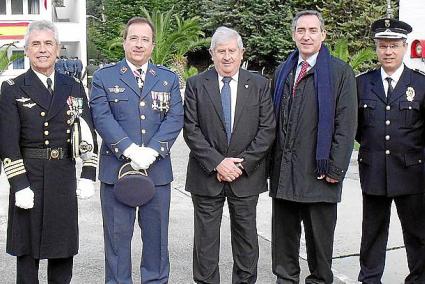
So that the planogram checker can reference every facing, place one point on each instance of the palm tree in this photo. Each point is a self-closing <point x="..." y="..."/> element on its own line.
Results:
<point x="356" y="60"/>
<point x="5" y="59"/>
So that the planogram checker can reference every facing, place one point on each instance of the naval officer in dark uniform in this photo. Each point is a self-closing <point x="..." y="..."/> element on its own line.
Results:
<point x="137" y="110"/>
<point x="391" y="134"/>
<point x="36" y="114"/>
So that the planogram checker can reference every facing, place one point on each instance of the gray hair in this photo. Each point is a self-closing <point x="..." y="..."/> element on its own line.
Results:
<point x="307" y="13"/>
<point x="224" y="34"/>
<point x="42" y="25"/>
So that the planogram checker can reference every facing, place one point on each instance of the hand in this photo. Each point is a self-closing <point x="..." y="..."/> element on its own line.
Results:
<point x="24" y="198"/>
<point x="331" y="180"/>
<point x="85" y="188"/>
<point x="229" y="169"/>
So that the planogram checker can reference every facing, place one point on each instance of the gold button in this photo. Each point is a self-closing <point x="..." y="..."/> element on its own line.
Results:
<point x="365" y="106"/>
<point x="420" y="161"/>
<point x="387" y="137"/>
<point x="142" y="104"/>
<point x="143" y="131"/>
<point x="387" y="107"/>
<point x="387" y="122"/>
<point x="46" y="124"/>
<point x="68" y="140"/>
<point x="116" y="150"/>
<point x="116" y="100"/>
<point x="46" y="142"/>
<point x="410" y="107"/>
<point x="46" y="132"/>
<point x="142" y="116"/>
<point x="387" y="152"/>
<point x="43" y="113"/>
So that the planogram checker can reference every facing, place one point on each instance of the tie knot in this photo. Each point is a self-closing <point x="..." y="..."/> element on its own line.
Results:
<point x="304" y="65"/>
<point x="140" y="70"/>
<point x="226" y="80"/>
<point x="389" y="80"/>
<point x="49" y="83"/>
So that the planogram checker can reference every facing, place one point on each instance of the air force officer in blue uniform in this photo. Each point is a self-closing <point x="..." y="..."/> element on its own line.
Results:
<point x="137" y="110"/>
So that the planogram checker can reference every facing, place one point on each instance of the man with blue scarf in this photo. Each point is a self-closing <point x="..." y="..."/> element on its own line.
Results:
<point x="315" y="105"/>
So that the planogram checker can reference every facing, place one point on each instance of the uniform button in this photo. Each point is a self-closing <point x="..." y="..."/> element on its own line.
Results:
<point x="162" y="149"/>
<point x="68" y="140"/>
<point x="365" y="106"/>
<point x="46" y="142"/>
<point x="420" y="161"/>
<point x="42" y="113"/>
<point x="116" y="150"/>
<point x="142" y="104"/>
<point x="46" y="132"/>
<point x="107" y="152"/>
<point x="68" y="122"/>
<point x="387" y="122"/>
<point x="143" y="131"/>
<point x="116" y="100"/>
<point x="387" y="107"/>
<point x="410" y="107"/>
<point x="46" y="124"/>
<point x="387" y="152"/>
<point x="142" y="116"/>
<point x="360" y="159"/>
<point x="68" y="131"/>
<point x="387" y="137"/>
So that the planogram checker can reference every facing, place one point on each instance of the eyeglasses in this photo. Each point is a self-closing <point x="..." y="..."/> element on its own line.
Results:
<point x="392" y="47"/>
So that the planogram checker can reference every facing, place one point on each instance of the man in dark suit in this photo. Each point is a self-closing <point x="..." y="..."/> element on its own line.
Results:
<point x="37" y="110"/>
<point x="229" y="127"/>
<point x="137" y="110"/>
<point x="391" y="133"/>
<point x="315" y="103"/>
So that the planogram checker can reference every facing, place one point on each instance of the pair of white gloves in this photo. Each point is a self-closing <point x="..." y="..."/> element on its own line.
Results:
<point x="24" y="198"/>
<point x="141" y="157"/>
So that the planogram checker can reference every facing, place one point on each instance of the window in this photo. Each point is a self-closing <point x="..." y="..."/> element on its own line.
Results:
<point x="2" y="7"/>
<point x="33" y="6"/>
<point x="17" y="7"/>
<point x="18" y="63"/>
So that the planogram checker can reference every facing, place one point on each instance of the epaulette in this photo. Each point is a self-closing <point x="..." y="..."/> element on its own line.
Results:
<point x="76" y="79"/>
<point x="10" y="82"/>
<point x="107" y="66"/>
<point x="365" y="72"/>
<point x="420" y="71"/>
<point x="162" y="67"/>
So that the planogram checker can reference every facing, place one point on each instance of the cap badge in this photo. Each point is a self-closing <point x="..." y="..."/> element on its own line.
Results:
<point x="387" y="23"/>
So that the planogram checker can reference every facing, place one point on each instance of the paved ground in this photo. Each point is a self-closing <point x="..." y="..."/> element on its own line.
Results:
<point x="88" y="267"/>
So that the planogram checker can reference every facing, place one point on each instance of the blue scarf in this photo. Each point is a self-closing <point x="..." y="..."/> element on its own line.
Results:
<point x="325" y="98"/>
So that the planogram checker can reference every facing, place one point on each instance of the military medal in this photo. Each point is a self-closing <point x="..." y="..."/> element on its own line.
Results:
<point x="410" y="94"/>
<point x="160" y="101"/>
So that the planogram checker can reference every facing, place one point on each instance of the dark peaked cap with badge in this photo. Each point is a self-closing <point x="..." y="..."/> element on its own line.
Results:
<point x="390" y="29"/>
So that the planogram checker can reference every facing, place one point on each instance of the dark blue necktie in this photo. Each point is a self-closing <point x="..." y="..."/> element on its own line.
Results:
<point x="226" y="104"/>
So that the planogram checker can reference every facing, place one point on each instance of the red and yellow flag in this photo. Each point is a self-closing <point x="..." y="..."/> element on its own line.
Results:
<point x="13" y="30"/>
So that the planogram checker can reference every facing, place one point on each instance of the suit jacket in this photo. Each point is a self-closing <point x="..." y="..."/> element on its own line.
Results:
<point x="391" y="133"/>
<point x="30" y="117"/>
<point x="123" y="115"/>
<point x="205" y="134"/>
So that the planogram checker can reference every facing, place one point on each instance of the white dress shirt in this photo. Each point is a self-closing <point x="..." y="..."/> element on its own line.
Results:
<point x="43" y="78"/>
<point x="395" y="77"/>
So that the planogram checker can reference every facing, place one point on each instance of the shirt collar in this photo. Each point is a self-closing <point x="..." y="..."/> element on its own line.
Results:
<point x="134" y="68"/>
<point x="234" y="77"/>
<point x="311" y="60"/>
<point x="43" y="78"/>
<point x="395" y="76"/>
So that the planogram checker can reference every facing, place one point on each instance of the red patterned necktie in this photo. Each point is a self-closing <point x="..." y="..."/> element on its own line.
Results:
<point x="303" y="71"/>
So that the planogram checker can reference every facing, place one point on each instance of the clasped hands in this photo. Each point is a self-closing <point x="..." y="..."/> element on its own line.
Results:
<point x="229" y="169"/>
<point x="141" y="157"/>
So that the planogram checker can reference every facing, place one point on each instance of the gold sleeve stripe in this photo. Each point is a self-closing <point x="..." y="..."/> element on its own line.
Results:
<point x="9" y="168"/>
<point x="9" y="176"/>
<point x="8" y="163"/>
<point x="89" y="164"/>
<point x="9" y="171"/>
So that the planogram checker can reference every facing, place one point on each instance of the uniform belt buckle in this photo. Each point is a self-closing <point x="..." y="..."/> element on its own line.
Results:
<point x="55" y="154"/>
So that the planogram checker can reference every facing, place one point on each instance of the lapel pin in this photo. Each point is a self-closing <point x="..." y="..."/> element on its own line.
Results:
<point x="165" y="83"/>
<point x="152" y="72"/>
<point x="246" y="86"/>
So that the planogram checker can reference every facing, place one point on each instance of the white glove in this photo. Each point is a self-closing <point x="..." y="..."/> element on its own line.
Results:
<point x="86" y="156"/>
<point x="24" y="198"/>
<point x="141" y="157"/>
<point x="85" y="188"/>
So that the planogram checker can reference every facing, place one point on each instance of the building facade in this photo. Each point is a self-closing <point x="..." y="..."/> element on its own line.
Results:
<point x="68" y="15"/>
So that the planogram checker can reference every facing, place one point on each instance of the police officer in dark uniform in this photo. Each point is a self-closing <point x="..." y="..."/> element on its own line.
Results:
<point x="37" y="110"/>
<point x="137" y="110"/>
<point x="391" y="133"/>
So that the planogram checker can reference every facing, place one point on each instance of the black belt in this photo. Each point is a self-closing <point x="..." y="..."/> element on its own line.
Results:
<point x="46" y="154"/>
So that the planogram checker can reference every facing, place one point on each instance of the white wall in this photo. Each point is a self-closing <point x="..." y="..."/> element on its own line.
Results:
<point x="413" y="13"/>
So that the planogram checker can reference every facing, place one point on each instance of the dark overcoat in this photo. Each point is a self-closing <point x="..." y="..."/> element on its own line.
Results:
<point x="252" y="136"/>
<point x="391" y="134"/>
<point x="30" y="117"/>
<point x="293" y="162"/>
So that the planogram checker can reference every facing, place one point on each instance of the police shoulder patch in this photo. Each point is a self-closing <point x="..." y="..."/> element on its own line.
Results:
<point x="10" y="82"/>
<point x="419" y="71"/>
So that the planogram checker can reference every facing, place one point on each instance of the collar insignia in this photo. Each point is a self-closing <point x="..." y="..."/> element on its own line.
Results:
<point x="123" y="69"/>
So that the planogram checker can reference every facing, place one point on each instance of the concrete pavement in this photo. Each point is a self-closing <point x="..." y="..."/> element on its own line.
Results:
<point x="89" y="263"/>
